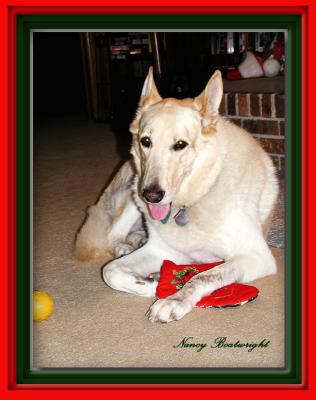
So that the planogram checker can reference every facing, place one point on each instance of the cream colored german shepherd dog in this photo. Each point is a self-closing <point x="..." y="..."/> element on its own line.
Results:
<point x="205" y="189"/>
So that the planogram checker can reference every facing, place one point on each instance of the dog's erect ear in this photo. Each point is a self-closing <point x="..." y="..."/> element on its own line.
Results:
<point x="150" y="93"/>
<point x="148" y="96"/>
<point x="209" y="100"/>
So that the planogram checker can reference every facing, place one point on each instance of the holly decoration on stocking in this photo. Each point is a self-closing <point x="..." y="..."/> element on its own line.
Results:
<point x="181" y="277"/>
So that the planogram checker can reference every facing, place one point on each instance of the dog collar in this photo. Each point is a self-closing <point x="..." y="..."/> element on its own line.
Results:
<point x="180" y="218"/>
<point x="165" y="220"/>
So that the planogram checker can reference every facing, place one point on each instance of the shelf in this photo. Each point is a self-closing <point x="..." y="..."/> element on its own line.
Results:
<point x="255" y="85"/>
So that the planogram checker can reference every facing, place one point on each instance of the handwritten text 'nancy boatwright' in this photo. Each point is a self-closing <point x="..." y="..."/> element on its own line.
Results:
<point x="221" y="342"/>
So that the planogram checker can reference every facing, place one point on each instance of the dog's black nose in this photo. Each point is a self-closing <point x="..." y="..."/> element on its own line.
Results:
<point x="153" y="194"/>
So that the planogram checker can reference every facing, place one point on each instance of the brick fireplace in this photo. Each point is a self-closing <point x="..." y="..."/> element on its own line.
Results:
<point x="258" y="105"/>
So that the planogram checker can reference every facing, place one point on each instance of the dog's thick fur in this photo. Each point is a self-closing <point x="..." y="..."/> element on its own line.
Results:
<point x="223" y="179"/>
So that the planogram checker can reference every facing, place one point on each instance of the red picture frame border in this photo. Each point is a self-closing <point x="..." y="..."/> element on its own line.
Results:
<point x="9" y="11"/>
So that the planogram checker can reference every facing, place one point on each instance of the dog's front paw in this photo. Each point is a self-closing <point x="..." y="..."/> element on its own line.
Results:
<point x="169" y="309"/>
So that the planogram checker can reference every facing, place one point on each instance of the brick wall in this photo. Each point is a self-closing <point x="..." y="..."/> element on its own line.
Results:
<point x="263" y="116"/>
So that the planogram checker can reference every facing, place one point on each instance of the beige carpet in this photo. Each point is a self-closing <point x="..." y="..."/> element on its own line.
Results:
<point x="95" y="326"/>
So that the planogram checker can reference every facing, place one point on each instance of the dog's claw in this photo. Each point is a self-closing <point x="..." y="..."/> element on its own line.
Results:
<point x="155" y="276"/>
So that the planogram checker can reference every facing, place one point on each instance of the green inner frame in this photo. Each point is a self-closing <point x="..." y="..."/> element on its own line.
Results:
<point x="289" y="375"/>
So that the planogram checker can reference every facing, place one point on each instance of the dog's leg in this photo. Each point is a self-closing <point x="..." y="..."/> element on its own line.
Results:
<point x="104" y="232"/>
<point x="137" y="236"/>
<point x="109" y="221"/>
<point x="123" y="235"/>
<point x="135" y="272"/>
<point x="91" y="241"/>
<point x="130" y="273"/>
<point x="240" y="268"/>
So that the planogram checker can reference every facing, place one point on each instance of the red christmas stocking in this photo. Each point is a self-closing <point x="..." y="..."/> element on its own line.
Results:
<point x="173" y="277"/>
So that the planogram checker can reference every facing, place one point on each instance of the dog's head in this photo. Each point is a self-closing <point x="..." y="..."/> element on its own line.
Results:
<point x="175" y="145"/>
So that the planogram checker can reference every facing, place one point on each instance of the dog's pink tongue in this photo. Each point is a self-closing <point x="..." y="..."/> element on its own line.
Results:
<point x="159" y="211"/>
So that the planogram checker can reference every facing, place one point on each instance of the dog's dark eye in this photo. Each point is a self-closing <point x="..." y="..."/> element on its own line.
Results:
<point x="181" y="144"/>
<point x="145" y="141"/>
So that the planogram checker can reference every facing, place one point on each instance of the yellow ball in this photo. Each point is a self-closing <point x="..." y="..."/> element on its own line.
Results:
<point x="43" y="305"/>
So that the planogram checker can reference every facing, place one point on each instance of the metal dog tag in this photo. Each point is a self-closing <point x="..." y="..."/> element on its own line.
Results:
<point x="181" y="218"/>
